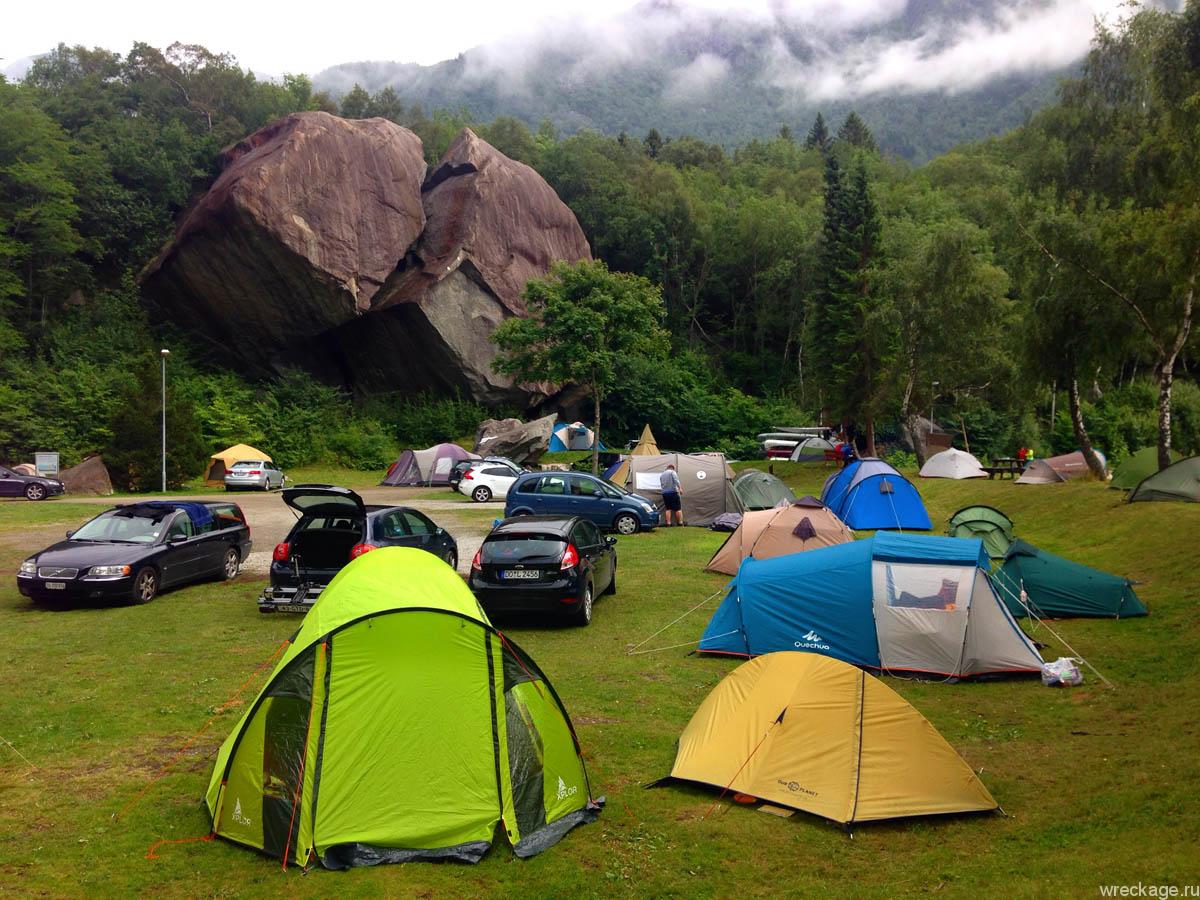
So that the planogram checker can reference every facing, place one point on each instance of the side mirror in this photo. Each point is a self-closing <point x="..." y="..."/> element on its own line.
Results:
<point x="611" y="541"/>
<point x="176" y="538"/>
<point x="69" y="533"/>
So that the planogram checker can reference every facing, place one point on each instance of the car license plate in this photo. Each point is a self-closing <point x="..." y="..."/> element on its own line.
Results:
<point x="294" y="607"/>
<point x="519" y="574"/>
<point x="55" y="586"/>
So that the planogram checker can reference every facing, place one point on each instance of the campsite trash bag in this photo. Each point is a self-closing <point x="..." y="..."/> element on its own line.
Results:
<point x="1063" y="672"/>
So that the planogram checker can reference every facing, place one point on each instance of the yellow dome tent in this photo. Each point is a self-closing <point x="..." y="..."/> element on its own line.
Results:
<point x="813" y="733"/>
<point x="223" y="461"/>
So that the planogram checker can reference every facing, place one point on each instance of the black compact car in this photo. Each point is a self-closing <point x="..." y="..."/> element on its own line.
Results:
<point x="333" y="527"/>
<point x="131" y="552"/>
<point x="31" y="487"/>
<point x="554" y="564"/>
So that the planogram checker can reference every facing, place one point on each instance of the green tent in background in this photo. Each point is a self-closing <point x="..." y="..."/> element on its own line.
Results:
<point x="399" y="725"/>
<point x="1178" y="481"/>
<point x="761" y="490"/>
<point x="988" y="524"/>
<point x="1060" y="589"/>
<point x="1136" y="467"/>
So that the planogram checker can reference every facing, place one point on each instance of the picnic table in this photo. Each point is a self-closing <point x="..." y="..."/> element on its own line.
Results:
<point x="1004" y="466"/>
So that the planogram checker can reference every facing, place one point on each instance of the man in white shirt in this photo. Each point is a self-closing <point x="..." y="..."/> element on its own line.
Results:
<point x="672" y="493"/>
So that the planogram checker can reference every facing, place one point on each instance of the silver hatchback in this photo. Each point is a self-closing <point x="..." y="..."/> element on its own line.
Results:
<point x="251" y="475"/>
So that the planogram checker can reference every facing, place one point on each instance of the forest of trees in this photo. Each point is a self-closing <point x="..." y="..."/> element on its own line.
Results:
<point x="1034" y="289"/>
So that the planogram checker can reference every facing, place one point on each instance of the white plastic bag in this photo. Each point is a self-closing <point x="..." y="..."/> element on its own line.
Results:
<point x="1063" y="672"/>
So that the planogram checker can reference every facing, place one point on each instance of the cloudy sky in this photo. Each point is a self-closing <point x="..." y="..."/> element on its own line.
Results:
<point x="306" y="37"/>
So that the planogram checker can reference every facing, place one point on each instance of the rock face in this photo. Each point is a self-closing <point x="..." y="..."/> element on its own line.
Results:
<point x="322" y="245"/>
<point x="89" y="477"/>
<point x="522" y="443"/>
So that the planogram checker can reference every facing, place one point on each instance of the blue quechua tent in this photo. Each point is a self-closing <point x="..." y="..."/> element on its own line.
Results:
<point x="869" y="494"/>
<point x="892" y="602"/>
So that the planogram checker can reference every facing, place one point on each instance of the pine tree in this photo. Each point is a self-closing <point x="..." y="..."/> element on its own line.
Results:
<point x="356" y="103"/>
<point x="854" y="131"/>
<point x="845" y="350"/>
<point x="785" y="133"/>
<point x="818" y="135"/>
<point x="653" y="143"/>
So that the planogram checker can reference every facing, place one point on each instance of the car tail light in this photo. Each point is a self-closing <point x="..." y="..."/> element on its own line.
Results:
<point x="254" y="472"/>
<point x="467" y="476"/>
<point x="567" y="599"/>
<point x="283" y="552"/>
<point x="359" y="549"/>
<point x="476" y="565"/>
<point x="570" y="557"/>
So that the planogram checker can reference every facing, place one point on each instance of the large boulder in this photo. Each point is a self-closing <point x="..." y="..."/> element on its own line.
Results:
<point x="523" y="443"/>
<point x="89" y="477"/>
<point x="323" y="245"/>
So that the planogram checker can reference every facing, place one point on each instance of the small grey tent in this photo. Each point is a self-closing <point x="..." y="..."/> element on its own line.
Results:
<point x="1057" y="469"/>
<point x="811" y="449"/>
<point x="761" y="490"/>
<point x="1178" y="481"/>
<point x="706" y="484"/>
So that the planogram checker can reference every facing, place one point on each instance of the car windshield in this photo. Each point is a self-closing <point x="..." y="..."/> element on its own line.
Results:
<point x="515" y="548"/>
<point x="122" y="527"/>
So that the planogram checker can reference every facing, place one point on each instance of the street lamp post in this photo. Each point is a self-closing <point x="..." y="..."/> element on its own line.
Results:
<point x="163" y="354"/>
<point x="932" y="397"/>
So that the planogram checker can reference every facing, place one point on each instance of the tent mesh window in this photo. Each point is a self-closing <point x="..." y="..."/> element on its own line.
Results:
<point x="921" y="589"/>
<point x="885" y="487"/>
<point x="805" y="530"/>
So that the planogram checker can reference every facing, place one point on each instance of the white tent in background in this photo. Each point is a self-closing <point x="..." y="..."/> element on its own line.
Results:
<point x="952" y="464"/>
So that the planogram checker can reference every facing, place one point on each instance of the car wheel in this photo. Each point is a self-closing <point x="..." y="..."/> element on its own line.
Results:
<point x="481" y="494"/>
<point x="145" y="585"/>
<point x="626" y="523"/>
<point x="231" y="566"/>
<point x="35" y="492"/>
<point x="452" y="560"/>
<point x="583" y="615"/>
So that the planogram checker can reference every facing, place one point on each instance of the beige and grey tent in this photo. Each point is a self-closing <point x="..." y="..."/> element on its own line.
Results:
<point x="952" y="463"/>
<point x="223" y="461"/>
<point x="706" y="484"/>
<point x="1057" y="469"/>
<point x="804" y="525"/>
<point x="646" y="446"/>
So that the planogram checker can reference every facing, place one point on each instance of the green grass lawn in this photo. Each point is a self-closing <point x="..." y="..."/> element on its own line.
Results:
<point x="1100" y="785"/>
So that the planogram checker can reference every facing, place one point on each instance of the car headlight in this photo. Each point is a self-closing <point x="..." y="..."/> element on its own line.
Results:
<point x="108" y="571"/>
<point x="648" y="507"/>
<point x="29" y="567"/>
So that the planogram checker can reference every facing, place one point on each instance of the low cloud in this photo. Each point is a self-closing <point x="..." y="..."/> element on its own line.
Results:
<point x="814" y="50"/>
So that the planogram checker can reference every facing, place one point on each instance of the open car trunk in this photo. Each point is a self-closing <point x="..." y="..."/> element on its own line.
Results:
<point x="326" y="548"/>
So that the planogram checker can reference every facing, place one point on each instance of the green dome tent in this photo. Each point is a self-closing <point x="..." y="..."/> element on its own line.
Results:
<point x="1140" y="465"/>
<point x="988" y="524"/>
<point x="399" y="725"/>
<point x="1060" y="589"/>
<point x="761" y="490"/>
<point x="1178" y="481"/>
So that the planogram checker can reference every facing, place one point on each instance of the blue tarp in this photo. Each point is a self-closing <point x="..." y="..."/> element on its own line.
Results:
<point x="199" y="513"/>
<point x="869" y="494"/>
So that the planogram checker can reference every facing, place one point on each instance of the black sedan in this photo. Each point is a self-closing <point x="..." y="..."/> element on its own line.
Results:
<point x="31" y="487"/>
<point x="131" y="552"/>
<point x="554" y="564"/>
<point x="333" y="527"/>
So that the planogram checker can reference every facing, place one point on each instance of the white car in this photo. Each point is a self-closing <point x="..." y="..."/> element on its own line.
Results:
<point x="488" y="480"/>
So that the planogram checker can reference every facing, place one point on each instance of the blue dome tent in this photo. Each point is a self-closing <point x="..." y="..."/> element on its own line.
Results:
<point x="869" y="494"/>
<point x="891" y="602"/>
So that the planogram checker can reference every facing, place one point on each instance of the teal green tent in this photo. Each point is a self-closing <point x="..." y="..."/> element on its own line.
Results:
<point x="1140" y="465"/>
<point x="1057" y="588"/>
<point x="1178" y="481"/>
<point x="988" y="524"/>
<point x="399" y="725"/>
